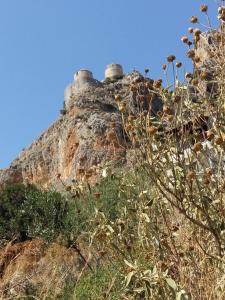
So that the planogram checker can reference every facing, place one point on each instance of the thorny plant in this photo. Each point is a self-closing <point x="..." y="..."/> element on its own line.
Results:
<point x="170" y="235"/>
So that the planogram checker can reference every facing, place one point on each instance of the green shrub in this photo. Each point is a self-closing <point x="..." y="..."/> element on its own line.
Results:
<point x="92" y="286"/>
<point x="27" y="212"/>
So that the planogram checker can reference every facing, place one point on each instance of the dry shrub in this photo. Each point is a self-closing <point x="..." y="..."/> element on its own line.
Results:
<point x="36" y="270"/>
<point x="170" y="235"/>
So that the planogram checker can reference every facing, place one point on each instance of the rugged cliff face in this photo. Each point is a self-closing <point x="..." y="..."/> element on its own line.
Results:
<point x="84" y="138"/>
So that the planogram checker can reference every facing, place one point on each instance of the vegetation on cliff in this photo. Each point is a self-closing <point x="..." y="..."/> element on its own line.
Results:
<point x="155" y="231"/>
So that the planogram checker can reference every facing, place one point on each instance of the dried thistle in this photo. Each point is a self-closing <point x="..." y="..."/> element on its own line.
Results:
<point x="194" y="19"/>
<point x="204" y="8"/>
<point x="171" y="58"/>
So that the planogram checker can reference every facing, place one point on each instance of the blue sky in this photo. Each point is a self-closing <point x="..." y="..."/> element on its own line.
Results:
<point x="43" y="43"/>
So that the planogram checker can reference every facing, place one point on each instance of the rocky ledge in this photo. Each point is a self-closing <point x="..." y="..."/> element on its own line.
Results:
<point x="84" y="138"/>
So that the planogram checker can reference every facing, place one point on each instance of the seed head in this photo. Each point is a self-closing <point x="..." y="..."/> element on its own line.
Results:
<point x="190" y="30"/>
<point x="210" y="135"/>
<point x="188" y="75"/>
<point x="184" y="39"/>
<point x="189" y="43"/>
<point x="218" y="140"/>
<point x="220" y="9"/>
<point x="194" y="19"/>
<point x="196" y="59"/>
<point x="179" y="64"/>
<point x="197" y="147"/>
<point x="164" y="67"/>
<point x="122" y="107"/>
<point x="195" y="81"/>
<point x="204" y="75"/>
<point x="204" y="8"/>
<point x="177" y="98"/>
<point x="222" y="15"/>
<point x="171" y="58"/>
<point x="191" y="53"/>
<point x="157" y="83"/>
<point x="118" y="98"/>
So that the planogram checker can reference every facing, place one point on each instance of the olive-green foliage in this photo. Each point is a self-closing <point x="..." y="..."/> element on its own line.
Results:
<point x="92" y="286"/>
<point x="27" y="212"/>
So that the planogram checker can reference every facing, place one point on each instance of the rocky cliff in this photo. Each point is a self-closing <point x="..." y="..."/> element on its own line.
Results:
<point x="88" y="134"/>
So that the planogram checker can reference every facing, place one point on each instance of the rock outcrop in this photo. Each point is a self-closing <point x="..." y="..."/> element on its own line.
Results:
<point x="88" y="134"/>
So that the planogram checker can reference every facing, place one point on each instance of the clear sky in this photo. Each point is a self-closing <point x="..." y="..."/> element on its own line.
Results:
<point x="43" y="43"/>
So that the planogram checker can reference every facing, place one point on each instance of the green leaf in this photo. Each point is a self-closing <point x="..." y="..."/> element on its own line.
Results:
<point x="129" y="264"/>
<point x="129" y="277"/>
<point x="171" y="283"/>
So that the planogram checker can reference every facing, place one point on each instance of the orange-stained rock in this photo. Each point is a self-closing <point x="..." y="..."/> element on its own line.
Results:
<point x="82" y="138"/>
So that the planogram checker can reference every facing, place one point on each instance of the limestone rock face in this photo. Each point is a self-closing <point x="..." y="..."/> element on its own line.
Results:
<point x="80" y="140"/>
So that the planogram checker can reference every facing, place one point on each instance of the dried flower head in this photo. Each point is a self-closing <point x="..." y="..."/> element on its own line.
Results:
<point x="191" y="53"/>
<point x="122" y="107"/>
<point x="176" y="98"/>
<point x="179" y="64"/>
<point x="194" y="19"/>
<point x="210" y="135"/>
<point x="118" y="98"/>
<point x="188" y="75"/>
<point x="195" y="82"/>
<point x="157" y="83"/>
<point x="196" y="59"/>
<point x="190" y="30"/>
<point x="184" y="39"/>
<point x="197" y="147"/>
<point x="204" y="8"/>
<point x="219" y="140"/>
<point x="204" y="75"/>
<point x="171" y="58"/>
<point x="164" y="67"/>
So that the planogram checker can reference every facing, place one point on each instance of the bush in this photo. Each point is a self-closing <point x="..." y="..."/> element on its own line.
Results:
<point x="27" y="212"/>
<point x="97" y="285"/>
